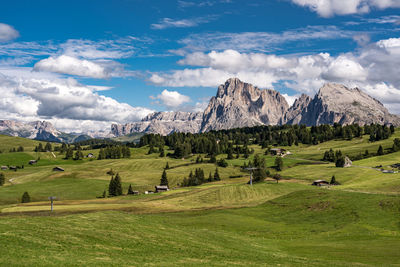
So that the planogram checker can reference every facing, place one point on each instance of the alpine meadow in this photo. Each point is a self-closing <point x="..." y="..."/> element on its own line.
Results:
<point x="200" y="133"/>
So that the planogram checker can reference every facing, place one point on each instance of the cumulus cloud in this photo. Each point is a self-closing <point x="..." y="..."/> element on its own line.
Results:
<point x="7" y="33"/>
<point x="32" y="95"/>
<point x="73" y="66"/>
<point x="373" y="68"/>
<point x="172" y="99"/>
<point x="181" y="23"/>
<point x="329" y="8"/>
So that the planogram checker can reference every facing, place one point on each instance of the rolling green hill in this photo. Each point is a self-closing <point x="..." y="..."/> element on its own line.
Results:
<point x="221" y="223"/>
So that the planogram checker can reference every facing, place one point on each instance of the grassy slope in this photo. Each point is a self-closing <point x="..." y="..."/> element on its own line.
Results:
<point x="313" y="228"/>
<point x="289" y="223"/>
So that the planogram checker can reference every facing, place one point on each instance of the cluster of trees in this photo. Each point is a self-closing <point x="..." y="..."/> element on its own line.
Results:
<point x="378" y="132"/>
<point x="18" y="149"/>
<point x="335" y="156"/>
<point x="396" y="145"/>
<point x="114" y="152"/>
<point x="115" y="187"/>
<point x="198" y="178"/>
<point x="40" y="148"/>
<point x="236" y="141"/>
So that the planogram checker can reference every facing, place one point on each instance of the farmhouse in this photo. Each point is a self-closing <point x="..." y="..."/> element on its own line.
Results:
<point x="161" y="188"/>
<point x="31" y="162"/>
<point x="90" y="155"/>
<point x="278" y="151"/>
<point x="58" y="169"/>
<point x="148" y="192"/>
<point x="320" y="183"/>
<point x="4" y="167"/>
<point x="13" y="167"/>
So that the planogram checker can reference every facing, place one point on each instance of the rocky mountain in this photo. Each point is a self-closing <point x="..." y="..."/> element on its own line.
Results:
<point x="335" y="103"/>
<point x="163" y="123"/>
<point x="39" y="130"/>
<point x="238" y="104"/>
<point x="294" y="114"/>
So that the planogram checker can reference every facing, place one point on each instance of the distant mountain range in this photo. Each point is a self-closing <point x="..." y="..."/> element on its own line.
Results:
<point x="236" y="104"/>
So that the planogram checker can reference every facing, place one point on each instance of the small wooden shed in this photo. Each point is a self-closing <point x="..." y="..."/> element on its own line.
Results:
<point x="161" y="188"/>
<point x="320" y="183"/>
<point x="58" y="169"/>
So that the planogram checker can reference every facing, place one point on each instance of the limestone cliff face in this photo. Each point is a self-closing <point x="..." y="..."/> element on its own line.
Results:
<point x="42" y="130"/>
<point x="335" y="103"/>
<point x="296" y="111"/>
<point x="239" y="104"/>
<point x="162" y="123"/>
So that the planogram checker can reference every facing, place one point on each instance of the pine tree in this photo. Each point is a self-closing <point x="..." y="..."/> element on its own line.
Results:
<point x="164" y="179"/>
<point x="210" y="177"/>
<point x="111" y="187"/>
<point x="25" y="198"/>
<point x="162" y="152"/>
<point x="333" y="180"/>
<point x="78" y="155"/>
<point x="167" y="166"/>
<point x="216" y="175"/>
<point x="2" y="179"/>
<point x="278" y="163"/>
<point x="111" y="172"/>
<point x="48" y="147"/>
<point x="69" y="154"/>
<point x="117" y="184"/>
<point x="380" y="151"/>
<point x="130" y="190"/>
<point x="104" y="194"/>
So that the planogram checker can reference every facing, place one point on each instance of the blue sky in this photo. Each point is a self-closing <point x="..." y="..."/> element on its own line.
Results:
<point x="86" y="64"/>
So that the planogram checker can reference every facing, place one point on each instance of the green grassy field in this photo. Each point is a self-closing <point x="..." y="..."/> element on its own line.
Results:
<point x="227" y="222"/>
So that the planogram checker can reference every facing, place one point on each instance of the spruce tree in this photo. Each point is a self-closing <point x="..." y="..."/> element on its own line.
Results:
<point x="333" y="180"/>
<point x="216" y="175"/>
<point x="117" y="184"/>
<point x="166" y="166"/>
<point x="278" y="163"/>
<point x="111" y="187"/>
<point x="209" y="177"/>
<point x="2" y="179"/>
<point x="380" y="151"/>
<point x="25" y="198"/>
<point x="164" y="179"/>
<point x="130" y="190"/>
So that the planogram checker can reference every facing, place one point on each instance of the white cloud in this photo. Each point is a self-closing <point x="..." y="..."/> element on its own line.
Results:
<point x="7" y="33"/>
<point x="290" y="98"/>
<point x="172" y="99"/>
<point x="329" y="8"/>
<point x="28" y="95"/>
<point x="258" y="41"/>
<point x="73" y="66"/>
<point x="373" y="68"/>
<point x="181" y="23"/>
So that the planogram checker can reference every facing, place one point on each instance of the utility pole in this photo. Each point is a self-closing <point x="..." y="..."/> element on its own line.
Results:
<point x="51" y="200"/>
<point x="251" y="169"/>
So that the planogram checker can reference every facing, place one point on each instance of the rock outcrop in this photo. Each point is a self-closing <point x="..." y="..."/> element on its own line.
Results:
<point x="296" y="111"/>
<point x="163" y="123"/>
<point x="335" y="103"/>
<point x="238" y="104"/>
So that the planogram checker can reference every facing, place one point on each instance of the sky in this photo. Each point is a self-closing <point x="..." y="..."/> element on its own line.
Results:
<point x="83" y="65"/>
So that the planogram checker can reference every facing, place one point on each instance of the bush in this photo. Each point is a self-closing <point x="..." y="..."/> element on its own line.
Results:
<point x="222" y="163"/>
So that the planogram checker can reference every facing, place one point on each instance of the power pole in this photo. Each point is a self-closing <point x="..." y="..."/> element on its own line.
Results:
<point x="251" y="169"/>
<point x="51" y="200"/>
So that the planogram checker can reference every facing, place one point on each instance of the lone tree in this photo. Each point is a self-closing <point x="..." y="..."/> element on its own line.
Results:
<point x="130" y="190"/>
<point x="25" y="198"/>
<point x="278" y="163"/>
<point x="380" y="151"/>
<point x="216" y="175"/>
<point x="164" y="179"/>
<point x="2" y="178"/>
<point x="166" y="166"/>
<point x="333" y="181"/>
<point x="277" y="177"/>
